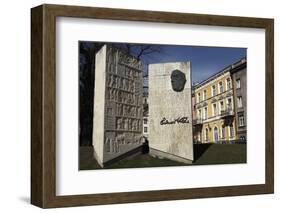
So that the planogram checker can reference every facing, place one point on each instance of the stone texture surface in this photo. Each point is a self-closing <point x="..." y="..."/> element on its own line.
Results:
<point x="118" y="113"/>
<point x="173" y="136"/>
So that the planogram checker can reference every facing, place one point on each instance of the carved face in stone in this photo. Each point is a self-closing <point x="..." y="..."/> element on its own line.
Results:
<point x="178" y="80"/>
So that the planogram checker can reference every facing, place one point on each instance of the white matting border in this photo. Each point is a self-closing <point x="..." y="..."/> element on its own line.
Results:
<point x="70" y="181"/>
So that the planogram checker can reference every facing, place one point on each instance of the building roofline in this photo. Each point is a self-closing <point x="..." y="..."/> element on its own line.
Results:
<point x="229" y="68"/>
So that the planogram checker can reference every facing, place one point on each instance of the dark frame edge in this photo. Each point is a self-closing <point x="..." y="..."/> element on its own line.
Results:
<point x="155" y="16"/>
<point x="269" y="108"/>
<point x="37" y="197"/>
<point x="42" y="107"/>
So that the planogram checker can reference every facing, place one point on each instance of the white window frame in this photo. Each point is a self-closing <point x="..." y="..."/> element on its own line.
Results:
<point x="198" y="97"/>
<point x="226" y="84"/>
<point x="221" y="106"/>
<point x="239" y="102"/>
<point x="213" y="90"/>
<point x="238" y="83"/>
<point x="229" y="132"/>
<point x="206" y="134"/>
<point x="239" y="120"/>
<point x="227" y="104"/>
<point x="145" y="127"/>
<point x="204" y="95"/>
<point x="220" y="87"/>
<point x="217" y="133"/>
<point x="145" y="121"/>
<point x="215" y="111"/>
<point x="205" y="112"/>
<point x="199" y="114"/>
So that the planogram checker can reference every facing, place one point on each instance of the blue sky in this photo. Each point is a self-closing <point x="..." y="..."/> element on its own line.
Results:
<point x="205" y="61"/>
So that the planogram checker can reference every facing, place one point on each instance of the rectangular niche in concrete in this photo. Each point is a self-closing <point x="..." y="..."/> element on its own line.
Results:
<point x="170" y="111"/>
<point x="118" y="112"/>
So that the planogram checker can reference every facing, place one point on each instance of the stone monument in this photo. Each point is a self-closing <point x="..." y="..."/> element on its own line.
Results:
<point x="170" y="111"/>
<point x="118" y="112"/>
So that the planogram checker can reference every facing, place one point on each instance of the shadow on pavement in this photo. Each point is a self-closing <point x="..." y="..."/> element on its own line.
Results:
<point x="199" y="150"/>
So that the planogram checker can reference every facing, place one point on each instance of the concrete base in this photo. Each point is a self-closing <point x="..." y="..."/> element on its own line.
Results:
<point x="160" y="154"/>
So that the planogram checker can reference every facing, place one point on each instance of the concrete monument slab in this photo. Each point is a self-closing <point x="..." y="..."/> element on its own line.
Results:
<point x="118" y="112"/>
<point x="170" y="111"/>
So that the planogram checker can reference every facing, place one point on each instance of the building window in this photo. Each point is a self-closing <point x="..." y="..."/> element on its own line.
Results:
<point x="242" y="138"/>
<point x="216" y="135"/>
<point x="231" y="131"/>
<point x="214" y="90"/>
<point x="229" y="104"/>
<point x="241" y="120"/>
<point x="239" y="102"/>
<point x="238" y="83"/>
<point x="199" y="114"/>
<point x="222" y="132"/>
<point x="145" y="129"/>
<point x="198" y="97"/>
<point x="221" y="106"/>
<point x="145" y="121"/>
<point x="228" y="84"/>
<point x="206" y="135"/>
<point x="205" y="113"/>
<point x="214" y="109"/>
<point x="205" y="95"/>
<point x="220" y="87"/>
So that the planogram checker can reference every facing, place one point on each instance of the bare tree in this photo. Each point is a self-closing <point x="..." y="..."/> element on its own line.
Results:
<point x="87" y="52"/>
<point x="140" y="50"/>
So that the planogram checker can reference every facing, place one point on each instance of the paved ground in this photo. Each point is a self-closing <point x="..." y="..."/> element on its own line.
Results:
<point x="203" y="154"/>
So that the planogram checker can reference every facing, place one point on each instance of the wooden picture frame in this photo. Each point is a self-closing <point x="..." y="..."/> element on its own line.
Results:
<point x="43" y="105"/>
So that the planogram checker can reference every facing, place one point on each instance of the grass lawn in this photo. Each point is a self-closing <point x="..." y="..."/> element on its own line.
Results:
<point x="203" y="154"/>
<point x="219" y="154"/>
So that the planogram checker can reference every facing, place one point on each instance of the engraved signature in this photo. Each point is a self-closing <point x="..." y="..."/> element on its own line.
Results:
<point x="182" y="120"/>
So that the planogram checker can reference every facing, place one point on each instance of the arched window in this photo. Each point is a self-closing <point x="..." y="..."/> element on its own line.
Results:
<point x="222" y="132"/>
<point x="216" y="135"/>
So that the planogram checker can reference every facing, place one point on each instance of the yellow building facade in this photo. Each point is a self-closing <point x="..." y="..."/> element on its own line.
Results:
<point x="213" y="117"/>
